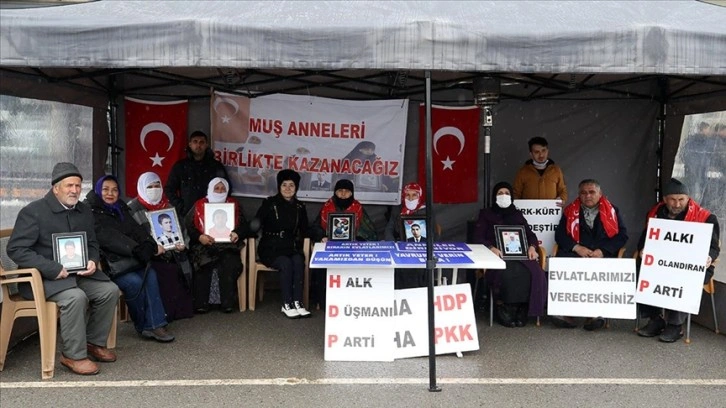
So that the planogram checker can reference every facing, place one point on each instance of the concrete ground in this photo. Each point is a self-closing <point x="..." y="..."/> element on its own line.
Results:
<point x="262" y="359"/>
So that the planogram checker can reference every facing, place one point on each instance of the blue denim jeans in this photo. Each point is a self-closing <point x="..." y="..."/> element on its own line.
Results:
<point x="145" y="308"/>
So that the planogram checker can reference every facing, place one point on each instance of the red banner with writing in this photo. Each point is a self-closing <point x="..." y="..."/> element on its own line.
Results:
<point x="156" y="135"/>
<point x="455" y="133"/>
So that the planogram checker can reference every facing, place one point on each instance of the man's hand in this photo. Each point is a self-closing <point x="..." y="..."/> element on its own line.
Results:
<point x="560" y="202"/>
<point x="90" y="269"/>
<point x="62" y="274"/>
<point x="596" y="254"/>
<point x="708" y="262"/>
<point x="582" y="251"/>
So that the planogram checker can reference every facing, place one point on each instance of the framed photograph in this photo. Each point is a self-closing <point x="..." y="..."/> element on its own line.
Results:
<point x="219" y="221"/>
<point x="70" y="249"/>
<point x="512" y="241"/>
<point x="341" y="227"/>
<point x="368" y="182"/>
<point x="165" y="227"/>
<point x="413" y="228"/>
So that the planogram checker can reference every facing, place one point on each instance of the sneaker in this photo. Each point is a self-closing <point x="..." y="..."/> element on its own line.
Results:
<point x="671" y="333"/>
<point x="301" y="309"/>
<point x="654" y="327"/>
<point x="289" y="311"/>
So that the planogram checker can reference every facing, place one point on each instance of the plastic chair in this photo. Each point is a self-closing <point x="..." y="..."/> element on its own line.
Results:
<point x="254" y="268"/>
<point x="542" y="263"/>
<point x="15" y="306"/>
<point x="242" y="282"/>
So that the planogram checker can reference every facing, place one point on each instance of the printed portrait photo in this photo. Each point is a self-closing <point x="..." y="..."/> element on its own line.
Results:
<point x="165" y="228"/>
<point x="219" y="221"/>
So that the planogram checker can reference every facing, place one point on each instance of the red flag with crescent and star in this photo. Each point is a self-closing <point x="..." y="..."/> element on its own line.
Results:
<point x="455" y="132"/>
<point x="156" y="136"/>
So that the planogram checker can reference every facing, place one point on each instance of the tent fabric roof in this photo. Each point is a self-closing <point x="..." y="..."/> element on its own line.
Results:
<point x="649" y="37"/>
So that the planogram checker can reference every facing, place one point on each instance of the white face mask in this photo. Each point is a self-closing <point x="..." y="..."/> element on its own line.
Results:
<point x="504" y="201"/>
<point x="153" y="194"/>
<point x="216" y="197"/>
<point x="411" y="204"/>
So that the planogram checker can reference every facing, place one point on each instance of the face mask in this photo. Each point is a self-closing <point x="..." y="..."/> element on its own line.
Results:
<point x="411" y="204"/>
<point x="504" y="201"/>
<point x="216" y="197"/>
<point x="540" y="166"/>
<point x="153" y="194"/>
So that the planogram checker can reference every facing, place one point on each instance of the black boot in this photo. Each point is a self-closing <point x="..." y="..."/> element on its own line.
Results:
<point x="505" y="315"/>
<point x="522" y="315"/>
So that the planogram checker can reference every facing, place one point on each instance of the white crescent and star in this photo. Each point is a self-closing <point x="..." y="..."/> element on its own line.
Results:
<point x="449" y="131"/>
<point x="229" y="101"/>
<point x="154" y="127"/>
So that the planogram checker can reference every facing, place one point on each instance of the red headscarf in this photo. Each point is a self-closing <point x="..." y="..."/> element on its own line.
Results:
<point x="421" y="201"/>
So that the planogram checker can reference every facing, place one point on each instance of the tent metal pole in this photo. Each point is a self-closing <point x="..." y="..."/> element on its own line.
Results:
<point x="663" y="100"/>
<point x="430" y="261"/>
<point x="113" y="134"/>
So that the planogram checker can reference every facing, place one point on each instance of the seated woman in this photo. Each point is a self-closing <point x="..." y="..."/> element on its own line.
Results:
<point x="119" y="236"/>
<point x="173" y="269"/>
<point x="520" y="289"/>
<point x="284" y="221"/>
<point x="342" y="201"/>
<point x="413" y="203"/>
<point x="208" y="255"/>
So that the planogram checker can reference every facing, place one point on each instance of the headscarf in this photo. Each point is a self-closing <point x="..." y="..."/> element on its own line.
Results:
<point x="421" y="201"/>
<point x="213" y="197"/>
<point x="115" y="207"/>
<point x="344" y="184"/>
<point x="142" y="185"/>
<point x="495" y="207"/>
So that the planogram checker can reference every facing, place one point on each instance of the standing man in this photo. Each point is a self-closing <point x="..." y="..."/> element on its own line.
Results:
<point x="540" y="178"/>
<point x="89" y="290"/>
<point x="590" y="227"/>
<point x="190" y="177"/>
<point x="676" y="205"/>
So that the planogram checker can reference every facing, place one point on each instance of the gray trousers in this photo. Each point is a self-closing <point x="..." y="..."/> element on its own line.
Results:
<point x="86" y="315"/>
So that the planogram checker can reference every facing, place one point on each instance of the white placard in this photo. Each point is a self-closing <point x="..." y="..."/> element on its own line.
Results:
<point x="674" y="264"/>
<point x="543" y="217"/>
<point x="455" y="323"/>
<point x="359" y="315"/>
<point x="591" y="287"/>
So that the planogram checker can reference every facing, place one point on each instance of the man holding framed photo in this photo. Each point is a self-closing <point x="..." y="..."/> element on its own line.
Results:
<point x="87" y="291"/>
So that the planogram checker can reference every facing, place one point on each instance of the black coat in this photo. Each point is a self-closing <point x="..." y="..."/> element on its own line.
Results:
<point x="120" y="234"/>
<point x="31" y="244"/>
<point x="284" y="226"/>
<point x="189" y="179"/>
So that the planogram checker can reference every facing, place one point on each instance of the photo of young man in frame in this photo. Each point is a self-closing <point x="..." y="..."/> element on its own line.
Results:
<point x="71" y="251"/>
<point x="414" y="228"/>
<point x="166" y="230"/>
<point x="219" y="221"/>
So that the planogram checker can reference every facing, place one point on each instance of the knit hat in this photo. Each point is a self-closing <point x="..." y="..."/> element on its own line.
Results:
<point x="288" y="174"/>
<point x="674" y="186"/>
<point x="63" y="170"/>
<point x="345" y="184"/>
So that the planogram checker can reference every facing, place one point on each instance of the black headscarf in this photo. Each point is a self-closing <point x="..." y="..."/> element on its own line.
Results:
<point x="343" y="203"/>
<point x="495" y="207"/>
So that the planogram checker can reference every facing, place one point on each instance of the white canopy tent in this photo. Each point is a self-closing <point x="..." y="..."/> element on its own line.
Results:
<point x="610" y="77"/>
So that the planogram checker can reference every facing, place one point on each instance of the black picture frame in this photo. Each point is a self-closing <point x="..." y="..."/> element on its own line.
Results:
<point x="341" y="227"/>
<point x="157" y="230"/>
<point x="408" y="223"/>
<point x="512" y="241"/>
<point x="70" y="249"/>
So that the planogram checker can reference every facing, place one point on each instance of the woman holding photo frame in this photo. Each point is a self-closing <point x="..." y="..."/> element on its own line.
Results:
<point x="208" y="254"/>
<point x="122" y="239"/>
<point x="172" y="266"/>
<point x="520" y="290"/>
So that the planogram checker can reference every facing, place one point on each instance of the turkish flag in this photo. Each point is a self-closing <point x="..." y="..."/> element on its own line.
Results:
<point x="156" y="135"/>
<point x="455" y="133"/>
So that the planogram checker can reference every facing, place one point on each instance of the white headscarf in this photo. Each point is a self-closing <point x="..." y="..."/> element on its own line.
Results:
<point x="149" y="195"/>
<point x="213" y="197"/>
